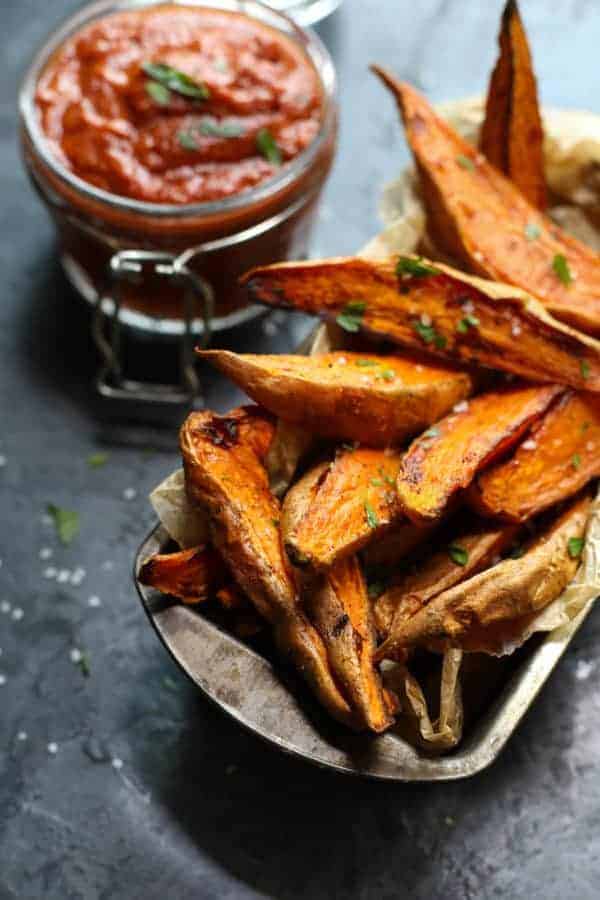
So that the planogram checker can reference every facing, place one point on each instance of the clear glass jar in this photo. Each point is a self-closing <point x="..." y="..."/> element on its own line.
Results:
<point x="216" y="241"/>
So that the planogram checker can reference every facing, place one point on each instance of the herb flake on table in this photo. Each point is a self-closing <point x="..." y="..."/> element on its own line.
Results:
<point x="66" y="522"/>
<point x="267" y="147"/>
<point x="96" y="460"/>
<point x="173" y="80"/>
<point x="350" y="318"/>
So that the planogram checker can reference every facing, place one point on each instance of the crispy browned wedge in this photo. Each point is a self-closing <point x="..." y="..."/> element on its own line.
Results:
<point x="192" y="575"/>
<point x="473" y="549"/>
<point x="339" y="608"/>
<point x="352" y="502"/>
<point x="512" y="135"/>
<point x="478" y="217"/>
<point x="447" y="457"/>
<point x="347" y="395"/>
<point x="449" y="314"/>
<point x="561" y="455"/>
<point x="511" y="589"/>
<point x="226" y="477"/>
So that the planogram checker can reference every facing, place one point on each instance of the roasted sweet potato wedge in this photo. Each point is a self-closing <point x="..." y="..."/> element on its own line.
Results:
<point x="512" y="135"/>
<point x="225" y="475"/>
<point x="511" y="589"/>
<point x="447" y="457"/>
<point x="471" y="550"/>
<point x="337" y="508"/>
<point x="192" y="575"/>
<point x="347" y="395"/>
<point x="435" y="308"/>
<point x="478" y="217"/>
<point x="561" y="455"/>
<point x="340" y="610"/>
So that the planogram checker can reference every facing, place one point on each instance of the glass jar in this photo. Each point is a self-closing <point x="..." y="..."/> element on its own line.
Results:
<point x="103" y="236"/>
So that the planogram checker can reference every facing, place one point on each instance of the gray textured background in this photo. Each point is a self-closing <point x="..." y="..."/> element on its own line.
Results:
<point x="200" y="809"/>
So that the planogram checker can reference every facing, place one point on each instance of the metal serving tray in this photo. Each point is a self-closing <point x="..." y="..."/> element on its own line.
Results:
<point x="275" y="705"/>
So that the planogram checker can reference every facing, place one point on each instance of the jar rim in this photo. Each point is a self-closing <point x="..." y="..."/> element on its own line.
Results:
<point x="290" y="172"/>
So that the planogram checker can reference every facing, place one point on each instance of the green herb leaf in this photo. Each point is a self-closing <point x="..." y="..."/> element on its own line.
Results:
<point x="176" y="81"/>
<point x="561" y="269"/>
<point x="465" y="162"/>
<point x="350" y="318"/>
<point x="576" y="460"/>
<point x="366" y="362"/>
<point x="410" y="265"/>
<point x="532" y="231"/>
<point x="466" y="323"/>
<point x="376" y="482"/>
<point x="386" y="375"/>
<point x="584" y="368"/>
<point x="66" y="522"/>
<point x="158" y="92"/>
<point x="458" y="554"/>
<point x="95" y="460"/>
<point x="187" y="140"/>
<point x="84" y="665"/>
<point x="431" y="433"/>
<point x="372" y="520"/>
<point x="429" y="334"/>
<point x="387" y="478"/>
<point x="267" y="146"/>
<point x="575" y="546"/>
<point x="212" y="128"/>
<point x="517" y="552"/>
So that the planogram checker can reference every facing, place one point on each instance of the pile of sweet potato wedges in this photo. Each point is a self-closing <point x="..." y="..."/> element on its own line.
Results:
<point x="427" y="484"/>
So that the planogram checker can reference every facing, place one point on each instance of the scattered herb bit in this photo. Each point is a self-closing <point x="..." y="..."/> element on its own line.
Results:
<point x="561" y="269"/>
<point x="584" y="368"/>
<point x="532" y="231"/>
<point x="517" y="552"/>
<point x="267" y="146"/>
<point x="576" y="460"/>
<point x="387" y="478"/>
<point x="366" y="362"/>
<point x="410" y="265"/>
<point x="575" y="546"/>
<point x="158" y="92"/>
<point x="187" y="140"/>
<point x="212" y="128"/>
<point x="176" y="81"/>
<point x="429" y="334"/>
<point x="95" y="460"/>
<point x="84" y="665"/>
<point x="350" y="318"/>
<point x="169" y="683"/>
<point x="466" y="323"/>
<point x="458" y="554"/>
<point x="275" y="522"/>
<point x="376" y="482"/>
<point x="431" y="432"/>
<point x="372" y="520"/>
<point x="465" y="162"/>
<point x="386" y="375"/>
<point x="66" y="522"/>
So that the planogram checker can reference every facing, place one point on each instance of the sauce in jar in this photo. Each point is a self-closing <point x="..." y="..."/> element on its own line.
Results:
<point x="178" y="105"/>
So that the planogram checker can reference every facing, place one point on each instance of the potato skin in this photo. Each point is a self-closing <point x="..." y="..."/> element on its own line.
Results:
<point x="348" y="395"/>
<point x="560" y="457"/>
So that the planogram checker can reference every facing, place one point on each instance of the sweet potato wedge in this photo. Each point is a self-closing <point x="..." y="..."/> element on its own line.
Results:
<point x="192" y="575"/>
<point x="338" y="508"/>
<point x="478" y="217"/>
<point x="509" y="590"/>
<point x="471" y="550"/>
<point x="436" y="309"/>
<point x="512" y="135"/>
<point x="447" y="457"/>
<point x="225" y="475"/>
<point x="347" y="395"/>
<point x="561" y="455"/>
<point x="340" y="610"/>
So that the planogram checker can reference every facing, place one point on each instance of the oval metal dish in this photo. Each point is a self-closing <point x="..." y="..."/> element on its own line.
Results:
<point x="273" y="704"/>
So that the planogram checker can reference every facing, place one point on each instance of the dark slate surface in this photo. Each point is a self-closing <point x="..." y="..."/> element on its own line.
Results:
<point x="200" y="809"/>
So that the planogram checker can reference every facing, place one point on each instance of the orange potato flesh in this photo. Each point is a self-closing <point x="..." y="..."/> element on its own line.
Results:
<point x="478" y="217"/>
<point x="341" y="612"/>
<point x="353" y="503"/>
<point x="512" y="135"/>
<point x="225" y="475"/>
<point x="512" y="331"/>
<point x="347" y="395"/>
<point x="447" y="457"/>
<point x="510" y="590"/>
<point x="192" y="575"/>
<point x="562" y="455"/>
<point x="440" y="572"/>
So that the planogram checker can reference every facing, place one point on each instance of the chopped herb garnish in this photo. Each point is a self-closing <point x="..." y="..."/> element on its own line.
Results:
<point x="465" y="162"/>
<point x="576" y="460"/>
<point x="429" y="334"/>
<point x="169" y="683"/>
<point x="95" y="460"/>
<point x="458" y="554"/>
<point x="267" y="146"/>
<point x="158" y="92"/>
<point x="176" y="81"/>
<point x="366" y="362"/>
<point x="187" y="140"/>
<point x="212" y="128"/>
<point x="66" y="522"/>
<point x="84" y="665"/>
<point x="350" y="318"/>
<point x="532" y="231"/>
<point x="431" y="433"/>
<point x="575" y="546"/>
<point x="376" y="482"/>
<point x="410" y="265"/>
<point x="386" y="375"/>
<point x="387" y="478"/>
<point x="561" y="269"/>
<point x="466" y="323"/>
<point x="584" y="368"/>
<point x="516" y="552"/>
<point x="372" y="520"/>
